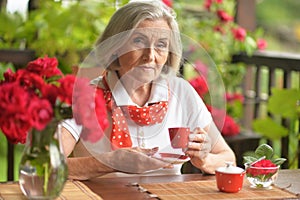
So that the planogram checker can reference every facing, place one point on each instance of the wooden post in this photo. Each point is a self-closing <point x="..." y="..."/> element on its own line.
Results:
<point x="245" y="17"/>
<point x="3" y="4"/>
<point x="245" y="14"/>
<point x="10" y="162"/>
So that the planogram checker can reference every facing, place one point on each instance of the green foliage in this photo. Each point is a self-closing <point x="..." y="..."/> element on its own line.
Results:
<point x="280" y="19"/>
<point x="282" y="104"/>
<point x="235" y="109"/>
<point x="283" y="12"/>
<point x="67" y="32"/>
<point x="53" y="29"/>
<point x="3" y="160"/>
<point x="4" y="67"/>
<point x="279" y="104"/>
<point x="11" y="28"/>
<point x="216" y="37"/>
<point x="18" y="149"/>
<point x="262" y="151"/>
<point x="268" y="128"/>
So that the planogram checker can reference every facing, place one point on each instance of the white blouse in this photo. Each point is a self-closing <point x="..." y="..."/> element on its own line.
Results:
<point x="185" y="109"/>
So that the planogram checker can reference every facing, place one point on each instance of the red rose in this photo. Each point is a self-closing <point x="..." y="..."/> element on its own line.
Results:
<point x="82" y="101"/>
<point x="89" y="109"/>
<point x="224" y="122"/>
<point x="29" y="81"/>
<point x="207" y="4"/>
<point x="15" y="132"/>
<point x="66" y="89"/>
<point x="234" y="97"/>
<point x="230" y="127"/>
<point x="261" y="44"/>
<point x="32" y="97"/>
<point x="9" y="76"/>
<point x="168" y="3"/>
<point x="14" y="122"/>
<point x="41" y="112"/>
<point x="101" y="109"/>
<point x="218" y="116"/>
<point x="239" y="34"/>
<point x="199" y="84"/>
<point x="50" y="92"/>
<point x="219" y="29"/>
<point x="224" y="16"/>
<point x="45" y="67"/>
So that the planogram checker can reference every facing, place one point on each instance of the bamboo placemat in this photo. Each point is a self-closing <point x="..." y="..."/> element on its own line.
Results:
<point x="195" y="190"/>
<point x="73" y="190"/>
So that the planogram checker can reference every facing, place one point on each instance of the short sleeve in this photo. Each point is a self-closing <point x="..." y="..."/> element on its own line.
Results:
<point x="72" y="127"/>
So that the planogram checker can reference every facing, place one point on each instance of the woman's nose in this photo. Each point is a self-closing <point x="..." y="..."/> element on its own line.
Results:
<point x="148" y="54"/>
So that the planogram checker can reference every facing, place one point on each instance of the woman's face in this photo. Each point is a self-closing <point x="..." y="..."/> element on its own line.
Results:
<point x="146" y="51"/>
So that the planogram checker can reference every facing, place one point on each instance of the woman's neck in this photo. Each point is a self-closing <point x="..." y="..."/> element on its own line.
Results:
<point x="138" y="92"/>
<point x="141" y="95"/>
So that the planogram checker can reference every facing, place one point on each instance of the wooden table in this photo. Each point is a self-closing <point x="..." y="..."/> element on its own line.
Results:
<point x="127" y="188"/>
<point x="123" y="189"/>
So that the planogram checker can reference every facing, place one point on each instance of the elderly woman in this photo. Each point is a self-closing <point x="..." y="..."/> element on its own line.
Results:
<point x="141" y="50"/>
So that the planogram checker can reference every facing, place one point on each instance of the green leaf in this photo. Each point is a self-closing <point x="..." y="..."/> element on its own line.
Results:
<point x="260" y="151"/>
<point x="250" y="154"/>
<point x="269" y="128"/>
<point x="278" y="161"/>
<point x="249" y="159"/>
<point x="264" y="150"/>
<point x="250" y="45"/>
<point x="283" y="106"/>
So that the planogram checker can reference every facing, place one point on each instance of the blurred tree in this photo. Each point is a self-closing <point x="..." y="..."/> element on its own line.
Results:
<point x="280" y="20"/>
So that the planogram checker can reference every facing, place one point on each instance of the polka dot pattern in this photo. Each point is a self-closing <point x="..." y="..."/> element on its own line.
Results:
<point x="147" y="115"/>
<point x="153" y="114"/>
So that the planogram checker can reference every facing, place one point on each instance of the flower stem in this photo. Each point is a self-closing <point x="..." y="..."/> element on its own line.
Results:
<point x="46" y="177"/>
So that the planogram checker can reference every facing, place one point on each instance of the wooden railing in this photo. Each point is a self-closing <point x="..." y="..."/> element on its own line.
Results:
<point x="269" y="69"/>
<point x="261" y="76"/>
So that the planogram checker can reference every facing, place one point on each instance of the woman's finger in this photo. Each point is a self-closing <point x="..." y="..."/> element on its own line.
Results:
<point x="200" y="137"/>
<point x="194" y="146"/>
<point x="148" y="152"/>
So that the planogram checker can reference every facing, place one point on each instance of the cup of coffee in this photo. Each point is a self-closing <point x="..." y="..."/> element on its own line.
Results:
<point x="179" y="137"/>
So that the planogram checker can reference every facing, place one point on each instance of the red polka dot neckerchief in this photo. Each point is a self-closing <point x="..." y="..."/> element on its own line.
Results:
<point x="146" y="115"/>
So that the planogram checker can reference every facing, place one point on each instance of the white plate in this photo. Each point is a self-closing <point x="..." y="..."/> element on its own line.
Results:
<point x="172" y="158"/>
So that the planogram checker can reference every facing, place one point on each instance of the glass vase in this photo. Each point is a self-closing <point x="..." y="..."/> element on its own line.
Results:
<point x="43" y="170"/>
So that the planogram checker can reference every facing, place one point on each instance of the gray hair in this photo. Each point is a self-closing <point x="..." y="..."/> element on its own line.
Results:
<point x="126" y="19"/>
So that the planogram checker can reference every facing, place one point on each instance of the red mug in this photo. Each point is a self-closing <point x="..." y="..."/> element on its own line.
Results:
<point x="179" y="137"/>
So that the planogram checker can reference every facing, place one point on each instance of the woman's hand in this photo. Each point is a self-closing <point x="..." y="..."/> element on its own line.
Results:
<point x="148" y="152"/>
<point x="132" y="160"/>
<point x="207" y="155"/>
<point x="199" y="146"/>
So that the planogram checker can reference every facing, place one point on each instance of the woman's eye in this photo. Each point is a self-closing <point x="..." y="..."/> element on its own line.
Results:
<point x="162" y="45"/>
<point x="139" y="41"/>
